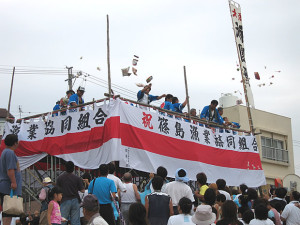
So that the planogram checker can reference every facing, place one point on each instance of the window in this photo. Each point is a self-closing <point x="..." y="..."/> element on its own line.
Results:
<point x="274" y="149"/>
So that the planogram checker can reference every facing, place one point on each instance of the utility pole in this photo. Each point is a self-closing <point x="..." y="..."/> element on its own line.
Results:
<point x="70" y="77"/>
<point x="10" y="93"/>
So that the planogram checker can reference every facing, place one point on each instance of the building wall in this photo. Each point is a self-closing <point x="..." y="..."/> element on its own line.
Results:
<point x="270" y="126"/>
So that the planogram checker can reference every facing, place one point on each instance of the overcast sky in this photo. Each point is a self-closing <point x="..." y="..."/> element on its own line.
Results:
<point x="165" y="35"/>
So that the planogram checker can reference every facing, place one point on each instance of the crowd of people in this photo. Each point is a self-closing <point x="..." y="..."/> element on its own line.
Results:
<point x="209" y="113"/>
<point x="110" y="200"/>
<point x="107" y="199"/>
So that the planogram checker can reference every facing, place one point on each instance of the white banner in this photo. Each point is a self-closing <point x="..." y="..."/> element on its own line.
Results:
<point x="236" y="16"/>
<point x="141" y="140"/>
<point x="150" y="140"/>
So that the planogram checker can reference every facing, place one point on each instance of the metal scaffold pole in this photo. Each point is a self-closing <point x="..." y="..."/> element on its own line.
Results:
<point x="187" y="93"/>
<point x="108" y="58"/>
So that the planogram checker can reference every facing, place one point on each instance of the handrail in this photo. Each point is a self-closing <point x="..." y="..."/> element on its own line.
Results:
<point x="56" y="111"/>
<point x="197" y="119"/>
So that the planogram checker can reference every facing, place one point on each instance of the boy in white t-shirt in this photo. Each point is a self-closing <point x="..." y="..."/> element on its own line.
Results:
<point x="184" y="217"/>
<point x="261" y="216"/>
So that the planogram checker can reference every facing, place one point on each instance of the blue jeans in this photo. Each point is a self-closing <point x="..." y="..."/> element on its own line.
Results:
<point x="70" y="209"/>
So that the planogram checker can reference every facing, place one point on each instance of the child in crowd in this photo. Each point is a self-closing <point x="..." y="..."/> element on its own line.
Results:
<point x="183" y="218"/>
<point x="54" y="214"/>
<point x="261" y="216"/>
<point x="242" y="191"/>
<point x="137" y="214"/>
<point x="210" y="199"/>
<point x="234" y="193"/>
<point x="229" y="214"/>
<point x="266" y="203"/>
<point x="252" y="196"/>
<point x="162" y="172"/>
<point x="86" y="179"/>
<point x="201" y="181"/>
<point x="247" y="217"/>
<point x="158" y="205"/>
<point x="243" y="202"/>
<point x="220" y="199"/>
<point x="36" y="218"/>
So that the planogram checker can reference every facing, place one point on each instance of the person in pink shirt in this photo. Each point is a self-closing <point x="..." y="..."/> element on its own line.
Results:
<point x="54" y="215"/>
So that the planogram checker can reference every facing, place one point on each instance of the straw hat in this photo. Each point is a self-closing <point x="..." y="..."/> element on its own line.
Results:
<point x="204" y="215"/>
<point x="47" y="180"/>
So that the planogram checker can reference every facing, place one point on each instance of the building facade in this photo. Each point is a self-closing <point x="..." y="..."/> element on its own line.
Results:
<point x="274" y="138"/>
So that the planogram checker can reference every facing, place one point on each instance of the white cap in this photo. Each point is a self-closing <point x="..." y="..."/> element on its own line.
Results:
<point x="81" y="88"/>
<point x="204" y="215"/>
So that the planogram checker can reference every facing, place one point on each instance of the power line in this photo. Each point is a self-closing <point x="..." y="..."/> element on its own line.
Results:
<point x="104" y="81"/>
<point x="49" y="67"/>
<point x="36" y="74"/>
<point x="121" y="89"/>
<point x="61" y="72"/>
<point x="122" y="93"/>
<point x="105" y="86"/>
<point x="116" y="87"/>
<point x="57" y="71"/>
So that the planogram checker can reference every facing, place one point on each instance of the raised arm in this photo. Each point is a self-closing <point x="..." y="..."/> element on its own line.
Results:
<point x="146" y="87"/>
<point x="184" y="103"/>
<point x="136" y="193"/>
<point x="162" y="96"/>
<point x="147" y="206"/>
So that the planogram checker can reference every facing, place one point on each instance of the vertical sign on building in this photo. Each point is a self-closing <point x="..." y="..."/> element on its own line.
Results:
<point x="235" y="11"/>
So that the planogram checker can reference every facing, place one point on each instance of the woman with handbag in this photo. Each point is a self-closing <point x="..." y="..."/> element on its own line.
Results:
<point x="10" y="180"/>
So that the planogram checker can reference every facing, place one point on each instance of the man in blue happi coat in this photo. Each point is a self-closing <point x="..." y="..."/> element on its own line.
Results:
<point x="211" y="113"/>
<point x="178" y="107"/>
<point x="56" y="107"/>
<point x="77" y="99"/>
